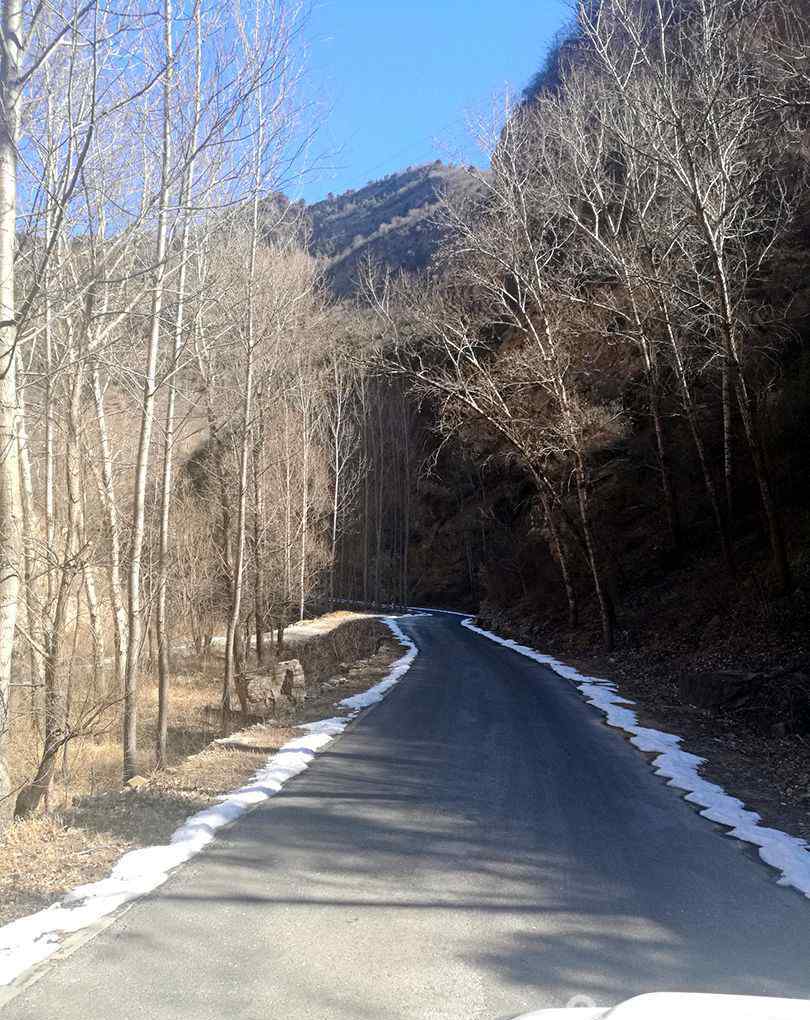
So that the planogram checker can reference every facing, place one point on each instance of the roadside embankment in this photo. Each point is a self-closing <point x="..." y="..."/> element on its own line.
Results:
<point x="41" y="858"/>
<point x="738" y="702"/>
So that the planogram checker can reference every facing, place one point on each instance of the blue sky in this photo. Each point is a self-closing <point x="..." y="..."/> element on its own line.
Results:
<point x="399" y="80"/>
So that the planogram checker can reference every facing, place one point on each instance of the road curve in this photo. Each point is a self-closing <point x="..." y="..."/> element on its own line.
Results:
<point x="478" y="844"/>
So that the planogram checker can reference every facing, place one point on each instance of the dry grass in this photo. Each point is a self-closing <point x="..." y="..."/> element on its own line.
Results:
<point x="92" y="764"/>
<point x="94" y="822"/>
<point x="44" y="856"/>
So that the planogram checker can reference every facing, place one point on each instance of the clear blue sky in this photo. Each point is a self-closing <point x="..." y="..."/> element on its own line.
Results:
<point x="398" y="79"/>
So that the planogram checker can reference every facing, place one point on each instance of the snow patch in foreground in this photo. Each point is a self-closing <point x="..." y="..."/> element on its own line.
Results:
<point x="30" y="940"/>
<point x="788" y="854"/>
<point x="678" y="1005"/>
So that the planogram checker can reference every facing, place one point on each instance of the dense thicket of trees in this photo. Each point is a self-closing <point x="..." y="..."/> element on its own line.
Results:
<point x="623" y="295"/>
<point x="606" y="361"/>
<point x="190" y="434"/>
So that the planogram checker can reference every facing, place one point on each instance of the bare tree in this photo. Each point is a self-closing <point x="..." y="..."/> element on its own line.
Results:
<point x="134" y="592"/>
<point x="695" y="91"/>
<point x="166" y="484"/>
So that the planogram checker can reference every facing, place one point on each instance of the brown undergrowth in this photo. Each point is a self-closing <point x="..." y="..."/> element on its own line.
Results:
<point x="93" y="821"/>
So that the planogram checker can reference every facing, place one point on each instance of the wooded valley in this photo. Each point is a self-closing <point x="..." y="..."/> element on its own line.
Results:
<point x="589" y="381"/>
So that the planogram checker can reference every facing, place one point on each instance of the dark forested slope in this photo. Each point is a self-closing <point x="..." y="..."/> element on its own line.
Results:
<point x="619" y="345"/>
<point x="689" y="418"/>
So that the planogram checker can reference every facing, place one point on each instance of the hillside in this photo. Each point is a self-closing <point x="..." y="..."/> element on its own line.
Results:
<point x="388" y="220"/>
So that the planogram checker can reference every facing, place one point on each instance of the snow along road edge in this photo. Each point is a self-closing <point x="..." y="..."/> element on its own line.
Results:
<point x="31" y="940"/>
<point x="787" y="854"/>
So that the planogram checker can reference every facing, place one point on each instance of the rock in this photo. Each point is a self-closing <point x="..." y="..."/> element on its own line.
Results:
<point x="293" y="680"/>
<point x="137" y="783"/>
<point x="775" y="703"/>
<point x="724" y="689"/>
<point x="278" y="694"/>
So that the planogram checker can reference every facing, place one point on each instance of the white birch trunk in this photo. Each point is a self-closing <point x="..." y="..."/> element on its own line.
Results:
<point x="170" y="425"/>
<point x="247" y="414"/>
<point x="106" y="490"/>
<point x="32" y="562"/>
<point x="135" y="601"/>
<point x="10" y="532"/>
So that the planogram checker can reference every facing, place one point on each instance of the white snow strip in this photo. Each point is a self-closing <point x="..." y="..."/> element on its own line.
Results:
<point x="788" y="854"/>
<point x="427" y="611"/>
<point x="32" y="939"/>
<point x="678" y="1005"/>
<point x="357" y="702"/>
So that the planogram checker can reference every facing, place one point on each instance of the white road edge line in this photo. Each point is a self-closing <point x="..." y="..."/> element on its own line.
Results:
<point x="32" y="939"/>
<point x="787" y="854"/>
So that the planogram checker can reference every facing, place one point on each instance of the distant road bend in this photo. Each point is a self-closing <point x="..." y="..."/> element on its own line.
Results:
<point x="477" y="845"/>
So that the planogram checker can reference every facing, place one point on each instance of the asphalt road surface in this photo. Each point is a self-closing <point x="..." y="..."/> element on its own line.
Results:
<point x="477" y="845"/>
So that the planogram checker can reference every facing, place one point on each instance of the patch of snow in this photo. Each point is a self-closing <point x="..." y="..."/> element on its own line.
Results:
<point x="305" y="629"/>
<point x="788" y="854"/>
<point x="32" y="939"/>
<point x="568" y="1013"/>
<point x="332" y="727"/>
<point x="427" y="611"/>
<point x="357" y="702"/>
<point x="677" y="1005"/>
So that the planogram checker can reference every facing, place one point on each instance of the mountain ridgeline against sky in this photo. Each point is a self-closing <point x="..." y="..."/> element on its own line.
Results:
<point x="389" y="221"/>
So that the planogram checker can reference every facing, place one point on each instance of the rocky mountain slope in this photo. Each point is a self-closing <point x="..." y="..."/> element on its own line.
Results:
<point x="390" y="221"/>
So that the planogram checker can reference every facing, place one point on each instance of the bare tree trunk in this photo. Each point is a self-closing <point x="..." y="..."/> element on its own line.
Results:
<point x="33" y="586"/>
<point x="776" y="534"/>
<point x="602" y="597"/>
<point x="288" y="540"/>
<point x="726" y="390"/>
<point x="258" y="525"/>
<point x="302" y="570"/>
<point x="333" y="541"/>
<point x="108" y="502"/>
<point x="561" y="556"/>
<point x="91" y="596"/>
<point x="688" y="405"/>
<point x="241" y="520"/>
<point x="406" y="502"/>
<point x="734" y="382"/>
<point x="366" y="487"/>
<point x="247" y="423"/>
<point x="135" y="606"/>
<point x="218" y="450"/>
<point x="83" y="542"/>
<point x="31" y="795"/>
<point x="164" y="665"/>
<point x="662" y="453"/>
<point x="10" y="532"/>
<point x="336" y="437"/>
<point x="50" y="520"/>
<point x="378" y="507"/>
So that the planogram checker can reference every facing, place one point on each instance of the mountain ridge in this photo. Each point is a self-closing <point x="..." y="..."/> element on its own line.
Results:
<point x="388" y="221"/>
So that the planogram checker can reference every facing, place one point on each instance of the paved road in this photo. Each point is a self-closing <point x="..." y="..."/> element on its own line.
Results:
<point x="478" y="844"/>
